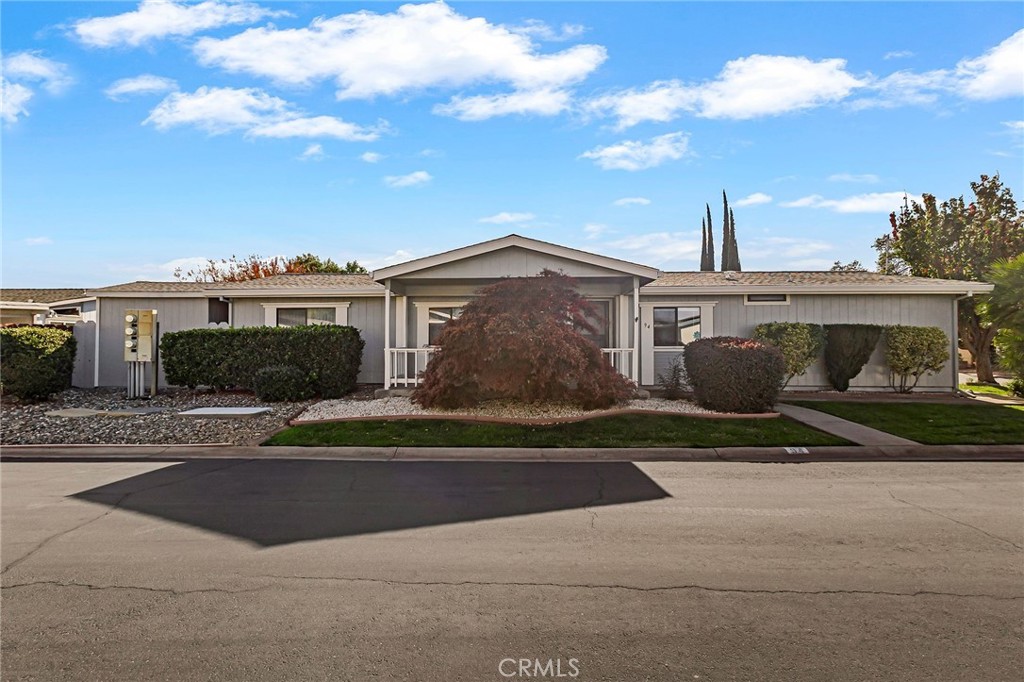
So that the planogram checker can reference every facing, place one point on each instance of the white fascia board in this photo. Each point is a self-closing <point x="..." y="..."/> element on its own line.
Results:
<point x="24" y="305"/>
<point x="965" y="288"/>
<point x="426" y="262"/>
<point x="71" y="301"/>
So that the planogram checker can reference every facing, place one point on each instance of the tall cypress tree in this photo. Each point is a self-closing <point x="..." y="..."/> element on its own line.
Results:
<point x="735" y="245"/>
<point x="711" y="242"/>
<point x="703" y="246"/>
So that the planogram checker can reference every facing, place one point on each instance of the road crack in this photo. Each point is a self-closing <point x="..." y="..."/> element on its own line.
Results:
<point x="598" y="499"/>
<point x="957" y="521"/>
<point x="140" y="588"/>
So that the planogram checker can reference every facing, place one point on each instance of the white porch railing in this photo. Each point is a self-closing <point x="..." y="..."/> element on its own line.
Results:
<point x="622" y="360"/>
<point x="406" y="364"/>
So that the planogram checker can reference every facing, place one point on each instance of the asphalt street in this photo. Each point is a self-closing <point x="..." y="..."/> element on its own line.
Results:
<point x="347" y="570"/>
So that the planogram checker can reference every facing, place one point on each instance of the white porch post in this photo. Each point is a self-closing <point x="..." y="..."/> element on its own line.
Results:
<point x="636" y="330"/>
<point x="387" y="333"/>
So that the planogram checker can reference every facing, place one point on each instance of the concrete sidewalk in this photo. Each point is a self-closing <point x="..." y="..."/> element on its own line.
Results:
<point x="843" y="453"/>
<point x="851" y="431"/>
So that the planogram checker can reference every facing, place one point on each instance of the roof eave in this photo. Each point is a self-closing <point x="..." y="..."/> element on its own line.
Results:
<point x="959" y="288"/>
<point x="281" y="292"/>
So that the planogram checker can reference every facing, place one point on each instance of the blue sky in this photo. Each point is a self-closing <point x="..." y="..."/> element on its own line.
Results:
<point x="139" y="137"/>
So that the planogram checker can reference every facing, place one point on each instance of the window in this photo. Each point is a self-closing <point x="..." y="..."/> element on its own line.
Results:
<point x="766" y="299"/>
<point x="676" y="326"/>
<point x="217" y="311"/>
<point x="293" y="317"/>
<point x="602" y="325"/>
<point x="436" y="321"/>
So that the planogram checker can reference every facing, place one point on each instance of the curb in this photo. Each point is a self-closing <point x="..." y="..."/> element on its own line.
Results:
<point x="531" y="421"/>
<point x="766" y="455"/>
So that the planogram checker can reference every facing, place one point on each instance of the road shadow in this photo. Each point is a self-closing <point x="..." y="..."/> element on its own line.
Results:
<point x="279" y="502"/>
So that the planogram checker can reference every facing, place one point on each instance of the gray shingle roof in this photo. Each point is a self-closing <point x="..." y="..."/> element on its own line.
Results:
<point x="775" y="279"/>
<point x="41" y="295"/>
<point x="154" y="287"/>
<point x="300" y="281"/>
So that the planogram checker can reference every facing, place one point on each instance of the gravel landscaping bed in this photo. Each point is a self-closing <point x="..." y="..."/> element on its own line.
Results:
<point x="397" y="407"/>
<point x="23" y="424"/>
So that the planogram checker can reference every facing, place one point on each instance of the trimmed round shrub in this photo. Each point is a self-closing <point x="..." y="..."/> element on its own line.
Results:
<point x="279" y="383"/>
<point x="731" y="374"/>
<point x="848" y="347"/>
<point x="36" y="362"/>
<point x="800" y="343"/>
<point x="912" y="352"/>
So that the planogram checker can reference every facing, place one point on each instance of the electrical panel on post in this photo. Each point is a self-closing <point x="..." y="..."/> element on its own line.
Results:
<point x="139" y="335"/>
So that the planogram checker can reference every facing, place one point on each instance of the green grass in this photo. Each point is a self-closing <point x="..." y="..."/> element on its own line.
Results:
<point x="622" y="431"/>
<point x="987" y="389"/>
<point x="934" y="423"/>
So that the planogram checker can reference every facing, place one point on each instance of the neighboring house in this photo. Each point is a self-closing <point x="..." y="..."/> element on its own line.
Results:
<point x="646" y="316"/>
<point x="45" y="306"/>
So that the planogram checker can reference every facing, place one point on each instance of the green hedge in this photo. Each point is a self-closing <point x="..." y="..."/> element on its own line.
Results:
<point x="914" y="351"/>
<point x="282" y="382"/>
<point x="800" y="343"/>
<point x="848" y="347"/>
<point x="36" y="362"/>
<point x="730" y="374"/>
<point x="328" y="355"/>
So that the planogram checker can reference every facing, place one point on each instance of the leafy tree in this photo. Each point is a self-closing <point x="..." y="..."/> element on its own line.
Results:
<point x="800" y="343"/>
<point x="958" y="240"/>
<point x="912" y="352"/>
<point x="852" y="266"/>
<point x="1005" y="308"/>
<point x="520" y="340"/>
<point x="254" y="266"/>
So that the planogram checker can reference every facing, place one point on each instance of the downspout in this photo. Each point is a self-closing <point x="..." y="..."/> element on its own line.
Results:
<point x="387" y="334"/>
<point x="956" y="345"/>
<point x="96" y="349"/>
<point x="636" y="330"/>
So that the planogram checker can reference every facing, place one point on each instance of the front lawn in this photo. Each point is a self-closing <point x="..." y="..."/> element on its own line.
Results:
<point x="934" y="423"/>
<point x="621" y="431"/>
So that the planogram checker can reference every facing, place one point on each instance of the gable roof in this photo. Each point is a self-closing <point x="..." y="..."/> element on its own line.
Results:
<point x="149" y="288"/>
<point x="808" y="282"/>
<point x="278" y="285"/>
<point x="515" y="240"/>
<point x="42" y="295"/>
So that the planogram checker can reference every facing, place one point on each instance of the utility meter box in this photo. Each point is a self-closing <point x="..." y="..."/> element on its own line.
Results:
<point x="139" y="335"/>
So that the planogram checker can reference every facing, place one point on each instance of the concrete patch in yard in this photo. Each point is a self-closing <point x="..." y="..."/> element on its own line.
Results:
<point x="73" y="412"/>
<point x="225" y="412"/>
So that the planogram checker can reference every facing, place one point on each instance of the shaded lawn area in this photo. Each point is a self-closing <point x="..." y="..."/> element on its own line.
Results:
<point x="934" y="424"/>
<point x="621" y="431"/>
<point x="987" y="389"/>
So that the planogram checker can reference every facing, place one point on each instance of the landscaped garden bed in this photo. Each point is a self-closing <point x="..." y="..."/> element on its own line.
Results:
<point x="971" y="423"/>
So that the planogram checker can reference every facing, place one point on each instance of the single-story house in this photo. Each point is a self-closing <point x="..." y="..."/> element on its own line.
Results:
<point x="647" y="316"/>
<point x="45" y="306"/>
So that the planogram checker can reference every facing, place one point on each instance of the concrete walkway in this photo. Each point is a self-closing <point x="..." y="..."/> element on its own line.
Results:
<point x="851" y="431"/>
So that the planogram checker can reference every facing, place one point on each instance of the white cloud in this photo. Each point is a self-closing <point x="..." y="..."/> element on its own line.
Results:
<point x="785" y="247"/>
<point x="754" y="199"/>
<point x="631" y="201"/>
<point x="318" y="126"/>
<point x="482" y="107"/>
<point x="595" y="230"/>
<point x="410" y="180"/>
<point x="314" y="152"/>
<point x="505" y="218"/>
<point x="868" y="178"/>
<point x="1014" y="125"/>
<point x="876" y="202"/>
<point x="997" y="73"/>
<point x="534" y="28"/>
<point x="372" y="263"/>
<point x="417" y="46"/>
<point x="658" y="248"/>
<point x="146" y="84"/>
<point x="750" y="87"/>
<point x="898" y="54"/>
<point x="217" y="110"/>
<point x="13" y="98"/>
<point x="634" y="155"/>
<point x="157" y="271"/>
<point x="371" y="157"/>
<point x="221" y="110"/>
<point x="29" y="66"/>
<point x="37" y="241"/>
<point x="155" y="19"/>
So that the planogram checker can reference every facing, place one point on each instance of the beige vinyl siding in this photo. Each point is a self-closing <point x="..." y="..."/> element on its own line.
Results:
<point x="733" y="318"/>
<point x="173" y="314"/>
<point x="509" y="262"/>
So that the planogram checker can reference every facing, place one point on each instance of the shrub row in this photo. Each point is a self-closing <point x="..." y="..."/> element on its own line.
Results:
<point x="36" y="362"/>
<point x="324" y="358"/>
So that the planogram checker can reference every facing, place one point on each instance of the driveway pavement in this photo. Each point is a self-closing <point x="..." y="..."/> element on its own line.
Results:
<point x="425" y="570"/>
